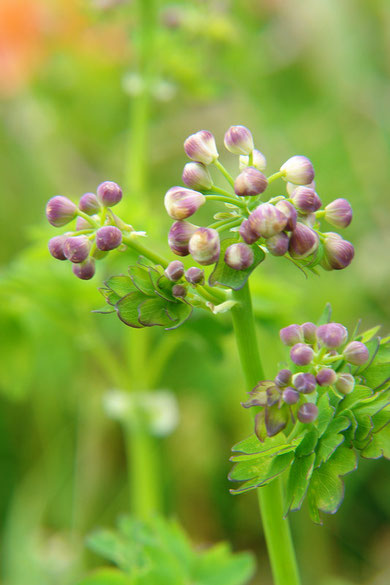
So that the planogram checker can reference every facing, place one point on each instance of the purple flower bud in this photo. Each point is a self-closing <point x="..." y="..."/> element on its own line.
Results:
<point x="56" y="247"/>
<point x="331" y="335"/>
<point x="290" y="396"/>
<point x="247" y="234"/>
<point x="174" y="271"/>
<point x="181" y="203"/>
<point x="77" y="248"/>
<point x="196" y="176"/>
<point x="283" y="378"/>
<point x="345" y="383"/>
<point x="303" y="242"/>
<point x="290" y="187"/>
<point x="298" y="169"/>
<point x="307" y="413"/>
<point x="277" y="245"/>
<point x="309" y="219"/>
<point x="201" y="147"/>
<point x="89" y="203"/>
<point x="290" y="212"/>
<point x="250" y="182"/>
<point x="239" y="256"/>
<point x="338" y="253"/>
<point x="84" y="270"/>
<point x="82" y="224"/>
<point x="338" y="213"/>
<point x="301" y="354"/>
<point x="259" y="161"/>
<point x="179" y="237"/>
<point x="60" y="210"/>
<point x="291" y="335"/>
<point x="306" y="200"/>
<point x="179" y="291"/>
<point x="356" y="353"/>
<point x="238" y="140"/>
<point x="267" y="220"/>
<point x="326" y="377"/>
<point x="109" y="193"/>
<point x="309" y="332"/>
<point x="195" y="275"/>
<point x="108" y="237"/>
<point x="305" y="383"/>
<point x="204" y="246"/>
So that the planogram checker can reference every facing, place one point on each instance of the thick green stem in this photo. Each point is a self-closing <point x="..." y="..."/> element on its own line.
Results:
<point x="276" y="528"/>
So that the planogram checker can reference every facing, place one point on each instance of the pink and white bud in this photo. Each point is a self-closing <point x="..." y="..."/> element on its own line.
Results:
<point x="338" y="213"/>
<point x="356" y="353"/>
<point x="298" y="170"/>
<point x="290" y="212"/>
<point x="267" y="220"/>
<point x="306" y="200"/>
<point x="290" y="187"/>
<point x="250" y="182"/>
<point x="196" y="176"/>
<point x="108" y="238"/>
<point x="239" y="140"/>
<point x="303" y="241"/>
<point x="239" y="256"/>
<point x="338" y="253"/>
<point x="204" y="246"/>
<point x="56" y="247"/>
<point x="179" y="291"/>
<point x="291" y="335"/>
<point x="181" y="203"/>
<point x="60" y="210"/>
<point x="174" y="271"/>
<point x="278" y="245"/>
<point x="109" y="193"/>
<point x="309" y="219"/>
<point x="290" y="396"/>
<point x="345" y="383"/>
<point x="331" y="335"/>
<point x="82" y="224"/>
<point x="283" y="378"/>
<point x="195" y="275"/>
<point x="247" y="234"/>
<point x="89" y="203"/>
<point x="304" y="382"/>
<point x="201" y="147"/>
<point x="77" y="248"/>
<point x="85" y="270"/>
<point x="259" y="161"/>
<point x="307" y="413"/>
<point x="326" y="377"/>
<point x="301" y="354"/>
<point x="309" y="332"/>
<point x="179" y="237"/>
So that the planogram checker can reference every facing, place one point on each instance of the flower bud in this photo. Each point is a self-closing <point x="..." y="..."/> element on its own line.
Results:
<point x="356" y="353"/>
<point x="247" y="234"/>
<point x="60" y="210"/>
<point x="250" y="182"/>
<point x="303" y="242"/>
<point x="179" y="237"/>
<point x="283" y="378"/>
<point x="305" y="383"/>
<point x="239" y="256"/>
<point x="309" y="332"/>
<point x="326" y="377"/>
<point x="238" y="140"/>
<point x="290" y="212"/>
<point x="298" y="169"/>
<point x="290" y="396"/>
<point x="290" y="187"/>
<point x="196" y="176"/>
<point x="77" y="248"/>
<point x="277" y="245"/>
<point x="108" y="237"/>
<point x="338" y="253"/>
<point x="331" y="335"/>
<point x="85" y="270"/>
<point x="259" y="161"/>
<point x="195" y="275"/>
<point x="89" y="203"/>
<point x="309" y="219"/>
<point x="301" y="354"/>
<point x="174" y="271"/>
<point x="181" y="203"/>
<point x="82" y="224"/>
<point x="179" y="291"/>
<point x="307" y="413"/>
<point x="204" y="246"/>
<point x="56" y="247"/>
<point x="109" y="193"/>
<point x="345" y="383"/>
<point x="306" y="200"/>
<point x="338" y="213"/>
<point x="291" y="335"/>
<point x="267" y="221"/>
<point x="201" y="147"/>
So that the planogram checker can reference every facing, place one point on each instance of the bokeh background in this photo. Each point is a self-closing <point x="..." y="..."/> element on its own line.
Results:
<point x="102" y="89"/>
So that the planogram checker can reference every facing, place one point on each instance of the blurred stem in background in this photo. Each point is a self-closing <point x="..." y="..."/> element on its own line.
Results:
<point x="276" y="528"/>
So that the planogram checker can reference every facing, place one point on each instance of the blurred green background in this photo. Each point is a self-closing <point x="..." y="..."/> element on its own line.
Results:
<point x="109" y="89"/>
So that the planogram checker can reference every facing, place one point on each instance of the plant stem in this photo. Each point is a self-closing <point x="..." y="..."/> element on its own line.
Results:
<point x="226" y="199"/>
<point x="275" y="176"/>
<point x="225" y="173"/>
<point x="276" y="528"/>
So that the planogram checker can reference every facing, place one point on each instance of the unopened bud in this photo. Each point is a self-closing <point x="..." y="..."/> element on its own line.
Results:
<point x="356" y="353"/>
<point x="331" y="335"/>
<point x="304" y="382"/>
<point x="303" y="242"/>
<point x="82" y="224"/>
<point x="267" y="220"/>
<point x="301" y="354"/>
<point x="56" y="247"/>
<point x="60" y="210"/>
<point x="84" y="270"/>
<point x="195" y="275"/>
<point x="277" y="245"/>
<point x="338" y="253"/>
<point x="298" y="169"/>
<point x="239" y="256"/>
<point x="109" y="193"/>
<point x="250" y="182"/>
<point x="309" y="332"/>
<point x="246" y="232"/>
<point x="179" y="291"/>
<point x="108" y="237"/>
<point x="174" y="271"/>
<point x="238" y="140"/>
<point x="77" y="248"/>
<point x="345" y="383"/>
<point x="204" y="246"/>
<point x="196" y="176"/>
<point x="306" y="200"/>
<point x="291" y="335"/>
<point x="179" y="237"/>
<point x="181" y="203"/>
<point x="89" y="203"/>
<point x="283" y="378"/>
<point x="259" y="161"/>
<point x="338" y="213"/>
<point x="326" y="377"/>
<point x="307" y="413"/>
<point x="309" y="219"/>
<point x="290" y="212"/>
<point x="290" y="187"/>
<point x="201" y="147"/>
<point x="290" y="396"/>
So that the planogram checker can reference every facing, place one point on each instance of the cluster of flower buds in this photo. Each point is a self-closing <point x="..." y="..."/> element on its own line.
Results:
<point x="285" y="225"/>
<point x="176" y="273"/>
<point x="325" y="356"/>
<point x="97" y="229"/>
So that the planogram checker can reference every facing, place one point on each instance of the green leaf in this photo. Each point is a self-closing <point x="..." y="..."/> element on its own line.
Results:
<point x="379" y="446"/>
<point x="307" y="444"/>
<point x="107" y="577"/>
<point x="140" y="278"/>
<point x="112" y="547"/>
<point x="350" y="400"/>
<point x="180" y="312"/>
<point x="121" y="285"/>
<point x="331" y="439"/>
<point x="325" y="414"/>
<point x="368" y="335"/>
<point x="298" y="481"/>
<point x="373" y="404"/>
<point x="259" y="471"/>
<point x="127" y="309"/>
<point x="218" y="566"/>
<point x="226" y="276"/>
<point x="377" y="373"/>
<point x="326" y="315"/>
<point x="153" y="312"/>
<point x="276" y="419"/>
<point x="271" y="446"/>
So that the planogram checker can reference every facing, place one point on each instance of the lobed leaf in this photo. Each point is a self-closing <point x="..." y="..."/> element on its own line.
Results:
<point x="226" y="276"/>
